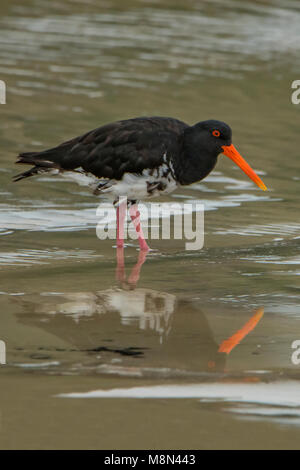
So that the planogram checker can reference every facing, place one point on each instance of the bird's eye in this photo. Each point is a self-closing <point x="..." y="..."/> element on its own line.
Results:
<point x="216" y="133"/>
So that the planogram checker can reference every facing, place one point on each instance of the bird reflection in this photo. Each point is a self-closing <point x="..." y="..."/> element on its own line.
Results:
<point x="164" y="330"/>
<point x="136" y="270"/>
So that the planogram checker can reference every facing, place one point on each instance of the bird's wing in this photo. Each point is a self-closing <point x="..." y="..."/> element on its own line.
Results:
<point x="111" y="150"/>
<point x="124" y="146"/>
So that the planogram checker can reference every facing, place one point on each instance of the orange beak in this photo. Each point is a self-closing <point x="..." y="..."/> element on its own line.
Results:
<point x="231" y="152"/>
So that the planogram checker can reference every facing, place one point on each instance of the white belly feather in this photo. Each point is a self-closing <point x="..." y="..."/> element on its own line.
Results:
<point x="150" y="183"/>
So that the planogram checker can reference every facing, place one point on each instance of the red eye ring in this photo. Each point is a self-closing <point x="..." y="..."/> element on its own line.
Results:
<point x="216" y="133"/>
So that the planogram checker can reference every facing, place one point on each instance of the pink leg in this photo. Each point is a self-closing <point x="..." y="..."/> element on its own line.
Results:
<point x="120" y="270"/>
<point x="135" y="217"/>
<point x="121" y="214"/>
<point x="135" y="273"/>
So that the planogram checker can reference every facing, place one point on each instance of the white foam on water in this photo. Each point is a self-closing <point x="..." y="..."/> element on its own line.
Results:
<point x="278" y="393"/>
<point x="40" y="365"/>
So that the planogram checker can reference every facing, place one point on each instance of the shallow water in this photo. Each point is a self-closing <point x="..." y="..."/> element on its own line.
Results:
<point x="72" y="331"/>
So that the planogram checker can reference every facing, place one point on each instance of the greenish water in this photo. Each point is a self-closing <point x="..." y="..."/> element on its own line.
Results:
<point x="68" y="325"/>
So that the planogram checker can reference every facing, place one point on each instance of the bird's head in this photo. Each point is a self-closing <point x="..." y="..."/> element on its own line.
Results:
<point x="215" y="137"/>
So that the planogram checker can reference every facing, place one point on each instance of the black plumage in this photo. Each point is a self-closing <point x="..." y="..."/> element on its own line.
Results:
<point x="135" y="145"/>
<point x="111" y="150"/>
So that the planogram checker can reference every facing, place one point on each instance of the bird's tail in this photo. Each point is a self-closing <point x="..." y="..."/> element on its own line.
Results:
<point x="42" y="162"/>
<point x="26" y="174"/>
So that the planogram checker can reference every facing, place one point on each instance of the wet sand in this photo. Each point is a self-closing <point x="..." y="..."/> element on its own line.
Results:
<point x="69" y="325"/>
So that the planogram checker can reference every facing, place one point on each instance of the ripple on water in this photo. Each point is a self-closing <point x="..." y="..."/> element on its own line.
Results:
<point x="159" y="42"/>
<point x="289" y="230"/>
<point x="48" y="216"/>
<point x="29" y="257"/>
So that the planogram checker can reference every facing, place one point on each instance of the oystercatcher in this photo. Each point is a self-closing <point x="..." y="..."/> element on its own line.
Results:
<point x="139" y="158"/>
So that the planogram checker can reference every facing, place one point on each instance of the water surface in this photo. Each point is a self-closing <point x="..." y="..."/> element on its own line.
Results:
<point x="72" y="330"/>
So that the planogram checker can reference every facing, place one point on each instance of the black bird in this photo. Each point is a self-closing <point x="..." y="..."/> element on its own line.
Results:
<point x="139" y="158"/>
